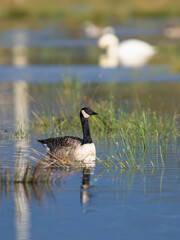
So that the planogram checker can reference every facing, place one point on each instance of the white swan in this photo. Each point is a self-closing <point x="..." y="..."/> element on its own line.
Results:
<point x="129" y="53"/>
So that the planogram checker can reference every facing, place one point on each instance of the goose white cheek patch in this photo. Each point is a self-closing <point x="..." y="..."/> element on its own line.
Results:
<point x="85" y="114"/>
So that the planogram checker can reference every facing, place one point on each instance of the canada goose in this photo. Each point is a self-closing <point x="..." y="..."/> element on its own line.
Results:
<point x="129" y="53"/>
<point x="74" y="148"/>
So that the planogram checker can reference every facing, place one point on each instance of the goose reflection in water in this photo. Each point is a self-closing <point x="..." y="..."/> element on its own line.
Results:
<point x="84" y="195"/>
<point x="23" y="194"/>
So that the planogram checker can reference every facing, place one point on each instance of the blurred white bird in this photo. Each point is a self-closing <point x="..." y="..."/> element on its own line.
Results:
<point x="172" y="32"/>
<point x="93" y="31"/>
<point x="129" y="53"/>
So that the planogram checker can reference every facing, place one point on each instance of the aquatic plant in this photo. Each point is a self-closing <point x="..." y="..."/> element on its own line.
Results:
<point x="128" y="158"/>
<point x="138" y="126"/>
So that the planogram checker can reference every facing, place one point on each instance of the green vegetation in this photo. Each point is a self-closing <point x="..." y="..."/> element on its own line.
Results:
<point x="132" y="131"/>
<point x="168" y="54"/>
<point x="101" y="12"/>
<point x="144" y="114"/>
<point x="139" y="125"/>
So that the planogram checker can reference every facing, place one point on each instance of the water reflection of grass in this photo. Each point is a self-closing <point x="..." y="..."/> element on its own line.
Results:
<point x="40" y="173"/>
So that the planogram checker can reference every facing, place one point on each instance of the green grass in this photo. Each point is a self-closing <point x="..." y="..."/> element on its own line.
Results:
<point x="142" y="126"/>
<point x="126" y="157"/>
<point x="102" y="12"/>
<point x="131" y="132"/>
<point x="139" y="125"/>
<point x="144" y="117"/>
<point x="172" y="50"/>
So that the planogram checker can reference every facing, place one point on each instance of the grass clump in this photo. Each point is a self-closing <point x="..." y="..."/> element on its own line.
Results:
<point x="138" y="126"/>
<point x="126" y="157"/>
<point x="132" y="132"/>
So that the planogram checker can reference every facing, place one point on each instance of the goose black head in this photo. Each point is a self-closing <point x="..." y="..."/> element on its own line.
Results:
<point x="87" y="112"/>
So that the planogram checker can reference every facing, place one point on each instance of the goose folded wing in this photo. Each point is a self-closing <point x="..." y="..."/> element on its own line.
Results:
<point x="54" y="143"/>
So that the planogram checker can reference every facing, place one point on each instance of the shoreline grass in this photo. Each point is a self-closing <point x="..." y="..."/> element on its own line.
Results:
<point x="106" y="12"/>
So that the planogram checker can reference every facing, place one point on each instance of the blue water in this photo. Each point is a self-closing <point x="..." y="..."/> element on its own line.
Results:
<point x="129" y="205"/>
<point x="114" y="204"/>
<point x="86" y="73"/>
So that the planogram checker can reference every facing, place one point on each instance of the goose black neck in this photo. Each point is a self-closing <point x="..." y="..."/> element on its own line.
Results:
<point x="85" y="128"/>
